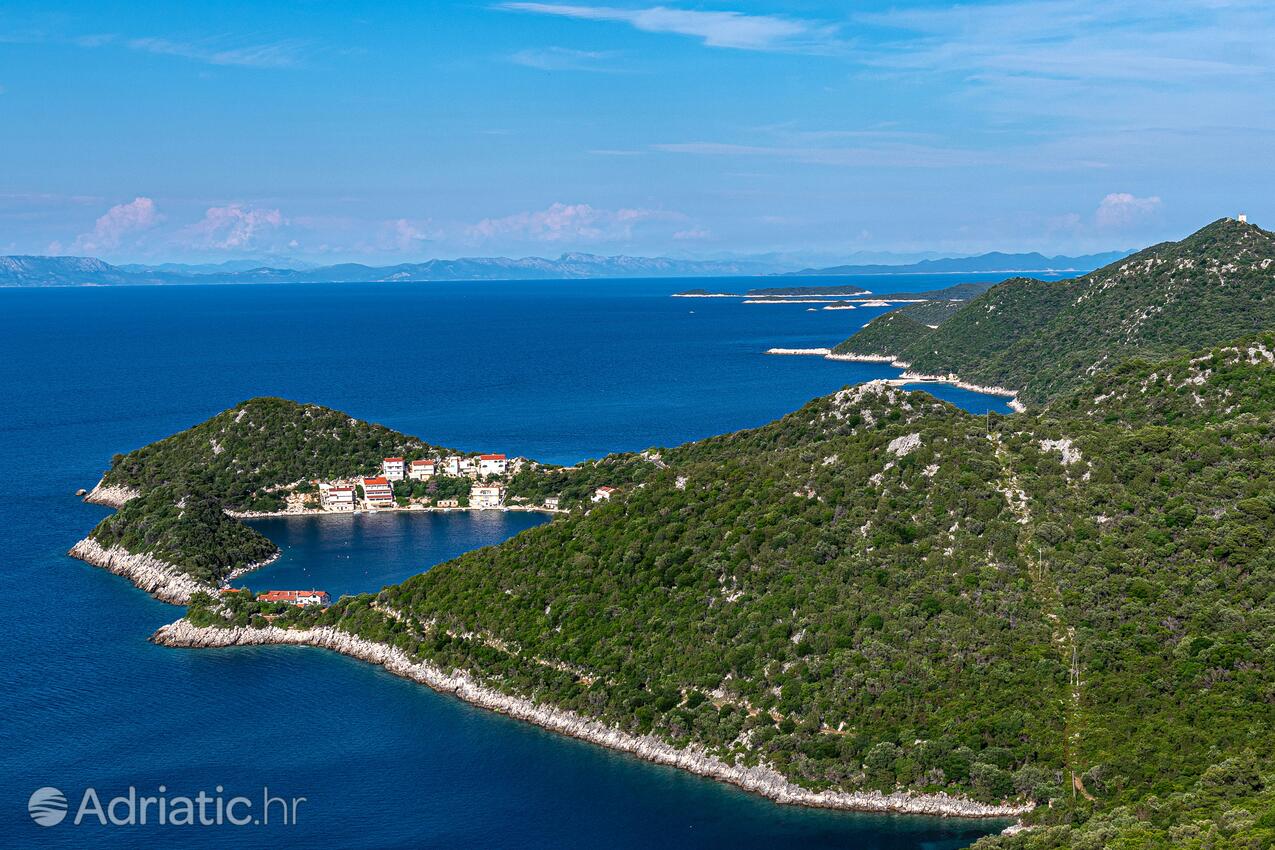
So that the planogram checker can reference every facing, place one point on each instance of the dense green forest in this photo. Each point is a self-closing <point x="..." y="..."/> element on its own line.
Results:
<point x="242" y="459"/>
<point x="883" y="591"/>
<point x="1074" y="605"/>
<point x="187" y="530"/>
<point x="889" y="335"/>
<point x="1042" y="338"/>
<point x="244" y="455"/>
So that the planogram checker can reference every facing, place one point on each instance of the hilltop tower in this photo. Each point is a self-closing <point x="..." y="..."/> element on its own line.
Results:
<point x="1243" y="219"/>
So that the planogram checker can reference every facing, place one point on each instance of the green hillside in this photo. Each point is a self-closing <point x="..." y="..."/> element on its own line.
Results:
<point x="890" y="334"/>
<point x="243" y="455"/>
<point x="1074" y="605"/>
<point x="190" y="532"/>
<point x="882" y="591"/>
<point x="1042" y="338"/>
<point x="244" y="459"/>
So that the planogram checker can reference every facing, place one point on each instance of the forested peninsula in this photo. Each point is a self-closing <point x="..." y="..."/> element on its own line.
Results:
<point x="1067" y="613"/>
<point x="1042" y="338"/>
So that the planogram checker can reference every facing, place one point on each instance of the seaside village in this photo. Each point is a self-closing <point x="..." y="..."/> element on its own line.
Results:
<point x="453" y="482"/>
<point x="450" y="482"/>
<point x="447" y="483"/>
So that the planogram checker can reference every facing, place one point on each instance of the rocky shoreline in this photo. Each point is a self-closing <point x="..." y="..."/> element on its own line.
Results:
<point x="760" y="780"/>
<point x="952" y="378"/>
<point x="908" y="377"/>
<point x="162" y="580"/>
<point x="112" y="496"/>
<point x="867" y="358"/>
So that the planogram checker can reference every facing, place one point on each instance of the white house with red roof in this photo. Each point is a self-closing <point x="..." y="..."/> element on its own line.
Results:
<point x="378" y="492"/>
<point x="419" y="470"/>
<point x="492" y="464"/>
<point x="337" y="497"/>
<point x="301" y="598"/>
<point x="392" y="468"/>
<point x="603" y="494"/>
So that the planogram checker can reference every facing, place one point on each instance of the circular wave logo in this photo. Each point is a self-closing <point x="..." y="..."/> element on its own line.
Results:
<point x="47" y="806"/>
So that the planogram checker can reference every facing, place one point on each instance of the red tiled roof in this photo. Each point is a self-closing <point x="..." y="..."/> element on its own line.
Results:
<point x="422" y="463"/>
<point x="290" y="595"/>
<point x="393" y="460"/>
<point x="491" y="457"/>
<point x="378" y="481"/>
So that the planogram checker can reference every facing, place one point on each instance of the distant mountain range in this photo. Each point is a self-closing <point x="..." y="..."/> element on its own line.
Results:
<point x="90" y="271"/>
<point x="982" y="264"/>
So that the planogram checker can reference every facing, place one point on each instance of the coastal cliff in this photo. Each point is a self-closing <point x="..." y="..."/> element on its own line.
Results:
<point x="111" y="495"/>
<point x="908" y="376"/>
<point x="162" y="580"/>
<point x="760" y="780"/>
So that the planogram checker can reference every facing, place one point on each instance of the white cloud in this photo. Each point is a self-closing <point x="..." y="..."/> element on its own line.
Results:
<point x="233" y="227"/>
<point x="119" y="223"/>
<point x="692" y="233"/>
<point x="1121" y="209"/>
<point x="406" y="236"/>
<point x="716" y="29"/>
<point x="561" y="59"/>
<point x="566" y="222"/>
<point x="278" y="54"/>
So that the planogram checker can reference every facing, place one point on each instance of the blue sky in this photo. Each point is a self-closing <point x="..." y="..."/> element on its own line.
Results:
<point x="399" y="131"/>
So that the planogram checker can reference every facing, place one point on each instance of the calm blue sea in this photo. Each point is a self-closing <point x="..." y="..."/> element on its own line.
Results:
<point x="554" y="370"/>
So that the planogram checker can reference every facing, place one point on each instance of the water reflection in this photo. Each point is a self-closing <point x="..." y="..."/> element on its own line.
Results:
<point x="361" y="553"/>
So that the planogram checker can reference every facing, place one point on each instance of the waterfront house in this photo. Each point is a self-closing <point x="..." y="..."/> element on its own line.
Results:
<point x="492" y="464"/>
<point x="486" y="496"/>
<point x="552" y="502"/>
<point x="336" y="497"/>
<point x="419" y="470"/>
<point x="392" y="468"/>
<point x="378" y="492"/>
<point x="448" y="503"/>
<point x="300" y="598"/>
<point x="603" y="494"/>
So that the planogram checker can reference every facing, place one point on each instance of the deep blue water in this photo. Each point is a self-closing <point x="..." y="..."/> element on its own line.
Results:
<point x="553" y="370"/>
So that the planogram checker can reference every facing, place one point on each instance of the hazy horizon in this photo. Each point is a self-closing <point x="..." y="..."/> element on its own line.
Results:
<point x="337" y="132"/>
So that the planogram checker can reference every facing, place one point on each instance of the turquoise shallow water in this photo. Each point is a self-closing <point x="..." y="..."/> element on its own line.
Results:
<point x="557" y="371"/>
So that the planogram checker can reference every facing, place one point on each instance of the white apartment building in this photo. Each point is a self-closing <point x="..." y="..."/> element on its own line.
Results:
<point x="492" y="465"/>
<point x="451" y="465"/>
<point x="392" y="468"/>
<point x="336" y="497"/>
<point x="378" y="492"/>
<point x="486" y="496"/>
<point x="419" y="470"/>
